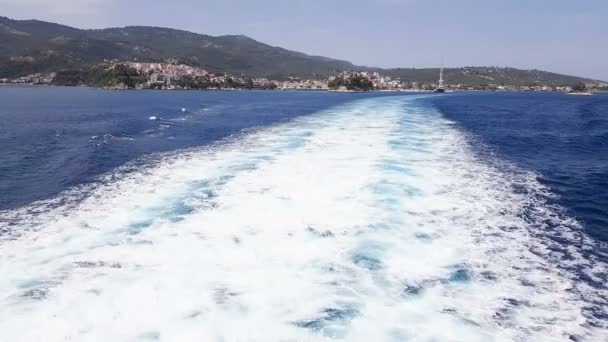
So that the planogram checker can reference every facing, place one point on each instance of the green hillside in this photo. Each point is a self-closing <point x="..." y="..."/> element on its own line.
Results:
<point x="32" y="46"/>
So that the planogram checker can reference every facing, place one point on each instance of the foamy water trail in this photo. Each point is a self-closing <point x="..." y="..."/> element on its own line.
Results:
<point x="372" y="221"/>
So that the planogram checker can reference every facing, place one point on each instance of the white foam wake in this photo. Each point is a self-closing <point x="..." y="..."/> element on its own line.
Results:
<point x="369" y="221"/>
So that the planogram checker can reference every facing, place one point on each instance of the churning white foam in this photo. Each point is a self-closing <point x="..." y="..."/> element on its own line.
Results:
<point x="370" y="221"/>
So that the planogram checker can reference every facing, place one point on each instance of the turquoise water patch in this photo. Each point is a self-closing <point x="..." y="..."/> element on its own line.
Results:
<point x="137" y="227"/>
<point x="368" y="262"/>
<point x="395" y="167"/>
<point x="295" y="144"/>
<point x="179" y="209"/>
<point x="395" y="190"/>
<point x="460" y="275"/>
<point x="329" y="316"/>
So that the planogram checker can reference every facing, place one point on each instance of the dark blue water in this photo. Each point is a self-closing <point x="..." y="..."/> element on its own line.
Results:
<point x="54" y="138"/>
<point x="563" y="138"/>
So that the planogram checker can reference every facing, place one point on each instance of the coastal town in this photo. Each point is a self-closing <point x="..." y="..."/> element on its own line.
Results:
<point x="172" y="76"/>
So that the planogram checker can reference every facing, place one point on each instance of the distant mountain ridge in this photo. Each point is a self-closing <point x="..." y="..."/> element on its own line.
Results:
<point x="32" y="46"/>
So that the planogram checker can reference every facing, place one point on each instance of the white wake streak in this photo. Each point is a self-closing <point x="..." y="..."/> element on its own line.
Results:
<point x="371" y="221"/>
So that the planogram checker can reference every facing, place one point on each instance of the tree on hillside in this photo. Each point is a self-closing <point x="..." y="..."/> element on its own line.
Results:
<point x="359" y="82"/>
<point x="337" y="83"/>
<point x="579" y="87"/>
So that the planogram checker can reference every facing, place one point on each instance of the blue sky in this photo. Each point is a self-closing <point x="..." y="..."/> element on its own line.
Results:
<point x="565" y="36"/>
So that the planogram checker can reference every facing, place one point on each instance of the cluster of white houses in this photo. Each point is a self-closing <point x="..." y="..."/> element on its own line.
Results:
<point x="170" y="75"/>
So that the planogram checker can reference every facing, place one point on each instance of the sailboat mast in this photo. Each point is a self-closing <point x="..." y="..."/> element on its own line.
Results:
<point x="440" y="88"/>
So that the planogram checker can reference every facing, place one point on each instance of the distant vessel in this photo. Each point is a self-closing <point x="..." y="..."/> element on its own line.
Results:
<point x="440" y="87"/>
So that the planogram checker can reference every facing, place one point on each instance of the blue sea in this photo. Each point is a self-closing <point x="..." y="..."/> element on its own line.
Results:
<point x="302" y="216"/>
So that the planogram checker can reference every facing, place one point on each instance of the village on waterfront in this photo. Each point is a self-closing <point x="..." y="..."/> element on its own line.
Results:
<point x="173" y="76"/>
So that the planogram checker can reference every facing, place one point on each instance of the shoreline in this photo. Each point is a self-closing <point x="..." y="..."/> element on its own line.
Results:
<point x="33" y="85"/>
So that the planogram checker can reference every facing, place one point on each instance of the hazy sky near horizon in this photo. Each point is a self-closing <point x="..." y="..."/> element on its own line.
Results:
<point x="564" y="36"/>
